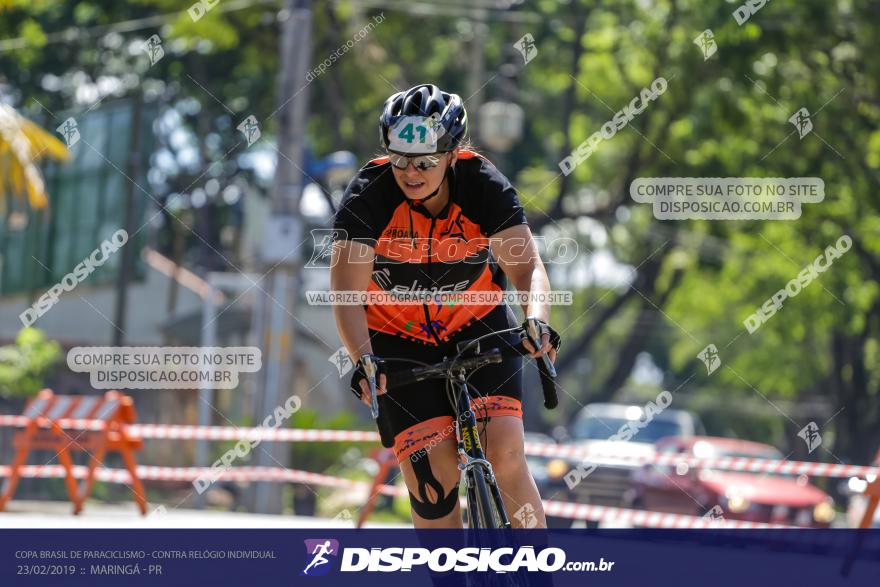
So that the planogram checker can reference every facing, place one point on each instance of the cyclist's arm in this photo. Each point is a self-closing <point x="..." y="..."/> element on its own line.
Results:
<point x="518" y="257"/>
<point x="351" y="270"/>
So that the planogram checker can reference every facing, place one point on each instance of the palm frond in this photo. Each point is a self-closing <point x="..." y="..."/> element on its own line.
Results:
<point x="22" y="145"/>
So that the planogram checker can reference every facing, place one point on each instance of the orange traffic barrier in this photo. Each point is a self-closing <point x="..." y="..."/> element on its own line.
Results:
<point x="108" y="417"/>
<point x="872" y="492"/>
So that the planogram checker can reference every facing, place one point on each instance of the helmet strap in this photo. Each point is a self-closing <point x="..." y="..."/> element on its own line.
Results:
<point x="421" y="201"/>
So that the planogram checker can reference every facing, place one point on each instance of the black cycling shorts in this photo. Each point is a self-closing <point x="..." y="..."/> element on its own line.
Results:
<point x="419" y="415"/>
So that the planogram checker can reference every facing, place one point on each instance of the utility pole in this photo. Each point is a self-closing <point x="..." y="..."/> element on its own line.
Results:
<point x="133" y="168"/>
<point x="477" y="71"/>
<point x="282" y="238"/>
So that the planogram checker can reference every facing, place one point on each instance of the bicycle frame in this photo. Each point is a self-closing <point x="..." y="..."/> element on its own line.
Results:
<point x="482" y="488"/>
<point x="485" y="506"/>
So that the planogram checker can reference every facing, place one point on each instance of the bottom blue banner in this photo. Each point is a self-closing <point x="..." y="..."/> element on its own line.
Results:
<point x="745" y="558"/>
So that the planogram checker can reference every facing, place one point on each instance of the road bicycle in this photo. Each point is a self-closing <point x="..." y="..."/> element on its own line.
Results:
<point x="484" y="504"/>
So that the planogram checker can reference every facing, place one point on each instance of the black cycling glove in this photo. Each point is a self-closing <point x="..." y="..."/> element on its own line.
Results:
<point x="543" y="328"/>
<point x="360" y="375"/>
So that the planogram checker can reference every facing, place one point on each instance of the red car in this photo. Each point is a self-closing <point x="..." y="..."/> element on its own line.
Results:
<point x="757" y="497"/>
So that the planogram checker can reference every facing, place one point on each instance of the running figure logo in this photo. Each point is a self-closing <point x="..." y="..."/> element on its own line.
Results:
<point x="250" y="129"/>
<point x="318" y="549"/>
<point x="526" y="516"/>
<point x="526" y="47"/>
<point x="710" y="358"/>
<point x="706" y="42"/>
<point x="802" y="122"/>
<point x="715" y="514"/>
<point x="810" y="434"/>
<point x="69" y="131"/>
<point x="342" y="360"/>
<point x="153" y="48"/>
<point x="323" y="241"/>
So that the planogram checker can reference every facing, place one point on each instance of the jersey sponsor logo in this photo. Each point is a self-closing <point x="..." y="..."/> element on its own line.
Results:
<point x="416" y="289"/>
<point x="436" y="326"/>
<point x="455" y="229"/>
<point x="394" y="232"/>
<point x="418" y="436"/>
<point x="425" y="328"/>
<point x="382" y="277"/>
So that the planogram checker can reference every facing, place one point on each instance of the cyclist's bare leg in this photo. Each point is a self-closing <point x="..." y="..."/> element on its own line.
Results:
<point x="443" y="461"/>
<point x="503" y="444"/>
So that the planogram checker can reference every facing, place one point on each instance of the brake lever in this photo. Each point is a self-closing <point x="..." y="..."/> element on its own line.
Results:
<point x="370" y="372"/>
<point x="533" y="332"/>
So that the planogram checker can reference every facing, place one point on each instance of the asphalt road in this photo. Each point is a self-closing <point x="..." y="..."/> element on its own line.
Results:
<point x="43" y="514"/>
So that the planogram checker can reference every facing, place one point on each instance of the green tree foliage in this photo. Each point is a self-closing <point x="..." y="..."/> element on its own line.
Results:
<point x="25" y="365"/>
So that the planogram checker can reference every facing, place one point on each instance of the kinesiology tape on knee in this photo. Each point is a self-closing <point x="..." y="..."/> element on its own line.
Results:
<point x="425" y="507"/>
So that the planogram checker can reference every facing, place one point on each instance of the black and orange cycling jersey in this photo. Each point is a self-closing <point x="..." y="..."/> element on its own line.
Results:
<point x="421" y="254"/>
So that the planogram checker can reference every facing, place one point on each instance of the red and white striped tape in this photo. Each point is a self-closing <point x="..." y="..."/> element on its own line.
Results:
<point x="66" y="423"/>
<point x="163" y="431"/>
<point x="185" y="432"/>
<point x="600" y="513"/>
<point x="189" y="474"/>
<point x="559" y="509"/>
<point x="743" y="464"/>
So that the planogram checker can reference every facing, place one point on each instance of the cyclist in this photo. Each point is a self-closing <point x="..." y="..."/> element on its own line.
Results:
<point x="435" y="216"/>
